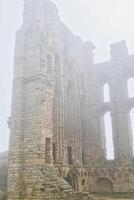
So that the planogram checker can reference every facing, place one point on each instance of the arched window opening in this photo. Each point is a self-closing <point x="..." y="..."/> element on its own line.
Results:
<point x="108" y="136"/>
<point x="132" y="126"/>
<point x="106" y="93"/>
<point x="130" y="86"/>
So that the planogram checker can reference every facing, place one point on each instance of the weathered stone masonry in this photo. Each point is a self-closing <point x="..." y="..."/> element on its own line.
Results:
<point x="40" y="66"/>
<point x="3" y="175"/>
<point x="57" y="131"/>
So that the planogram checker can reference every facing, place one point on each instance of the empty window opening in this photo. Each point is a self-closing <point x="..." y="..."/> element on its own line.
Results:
<point x="49" y="63"/>
<point x="54" y="152"/>
<point x="130" y="86"/>
<point x="83" y="157"/>
<point x="106" y="93"/>
<point x="132" y="127"/>
<point x="108" y="136"/>
<point x="83" y="182"/>
<point x="48" y="150"/>
<point x="70" y="160"/>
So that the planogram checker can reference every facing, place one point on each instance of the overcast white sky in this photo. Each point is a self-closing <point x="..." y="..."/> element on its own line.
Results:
<point x="101" y="21"/>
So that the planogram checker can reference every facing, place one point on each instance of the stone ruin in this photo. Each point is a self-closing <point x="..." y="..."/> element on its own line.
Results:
<point x="59" y="145"/>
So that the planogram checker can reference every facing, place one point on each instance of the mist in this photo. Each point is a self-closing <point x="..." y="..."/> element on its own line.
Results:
<point x="102" y="22"/>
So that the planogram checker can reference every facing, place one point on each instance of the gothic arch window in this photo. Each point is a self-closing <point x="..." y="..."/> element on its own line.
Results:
<point x="130" y="87"/>
<point x="109" y="144"/>
<point x="106" y="93"/>
<point x="131" y="114"/>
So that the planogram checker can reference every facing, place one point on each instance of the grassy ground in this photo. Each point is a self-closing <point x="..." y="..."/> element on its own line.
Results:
<point x="107" y="198"/>
<point x="117" y="196"/>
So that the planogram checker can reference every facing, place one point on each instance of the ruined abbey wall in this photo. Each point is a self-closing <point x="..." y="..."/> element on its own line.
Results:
<point x="57" y="130"/>
<point x="45" y="52"/>
<point x="98" y="173"/>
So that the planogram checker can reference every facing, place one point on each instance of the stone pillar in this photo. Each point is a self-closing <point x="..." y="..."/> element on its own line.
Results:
<point x="123" y="140"/>
<point x="72" y="122"/>
<point x="90" y="122"/>
<point x="59" y="129"/>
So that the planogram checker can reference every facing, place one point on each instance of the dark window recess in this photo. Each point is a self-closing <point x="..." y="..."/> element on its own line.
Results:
<point x="83" y="160"/>
<point x="54" y="152"/>
<point x="48" y="150"/>
<point x="83" y="182"/>
<point x="70" y="160"/>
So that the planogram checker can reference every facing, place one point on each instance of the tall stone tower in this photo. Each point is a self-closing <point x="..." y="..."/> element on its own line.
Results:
<point x="32" y="107"/>
<point x="44" y="51"/>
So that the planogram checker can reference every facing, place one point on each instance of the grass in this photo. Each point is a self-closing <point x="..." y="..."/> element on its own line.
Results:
<point x="117" y="196"/>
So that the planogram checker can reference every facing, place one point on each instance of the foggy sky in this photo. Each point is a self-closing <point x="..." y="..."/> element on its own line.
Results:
<point x="100" y="21"/>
